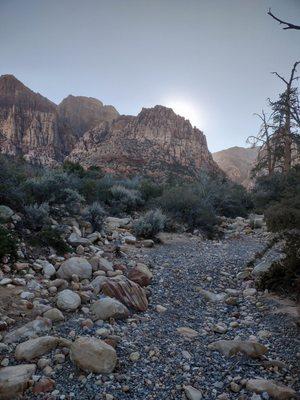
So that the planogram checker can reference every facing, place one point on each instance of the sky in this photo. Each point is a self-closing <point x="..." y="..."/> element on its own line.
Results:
<point x="211" y="60"/>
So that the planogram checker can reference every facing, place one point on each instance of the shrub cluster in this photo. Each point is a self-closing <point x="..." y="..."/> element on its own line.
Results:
<point x="41" y="194"/>
<point x="150" y="224"/>
<point x="8" y="245"/>
<point x="278" y="196"/>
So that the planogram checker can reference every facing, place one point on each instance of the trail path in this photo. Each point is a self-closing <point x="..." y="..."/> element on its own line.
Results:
<point x="167" y="359"/>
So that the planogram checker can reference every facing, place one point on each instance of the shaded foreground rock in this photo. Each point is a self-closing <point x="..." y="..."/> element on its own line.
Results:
<point x="33" y="348"/>
<point x="273" y="389"/>
<point x="14" y="380"/>
<point x="231" y="347"/>
<point x="192" y="393"/>
<point x="93" y="355"/>
<point x="29" y="330"/>
<point x="109" y="308"/>
<point x="141" y="275"/>
<point x="68" y="300"/>
<point x="126" y="291"/>
<point x="75" y="266"/>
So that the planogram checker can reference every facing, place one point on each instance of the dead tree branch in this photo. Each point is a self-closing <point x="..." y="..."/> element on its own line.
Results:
<point x="288" y="25"/>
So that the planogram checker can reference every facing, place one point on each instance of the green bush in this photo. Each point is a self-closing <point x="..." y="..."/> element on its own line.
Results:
<point x="123" y="199"/>
<point x="284" y="276"/>
<point x="37" y="215"/>
<point x="150" y="190"/>
<point x="50" y="237"/>
<point x="95" y="214"/>
<point x="150" y="224"/>
<point x="8" y="245"/>
<point x="284" y="215"/>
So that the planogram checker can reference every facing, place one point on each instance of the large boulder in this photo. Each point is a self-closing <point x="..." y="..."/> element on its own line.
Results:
<point x="232" y="347"/>
<point x="109" y="308"/>
<point x="68" y="300"/>
<point x="127" y="292"/>
<point x="276" y="391"/>
<point x="33" y="348"/>
<point x="14" y="380"/>
<point x="141" y="274"/>
<point x="29" y="330"/>
<point x="75" y="266"/>
<point x="93" y="355"/>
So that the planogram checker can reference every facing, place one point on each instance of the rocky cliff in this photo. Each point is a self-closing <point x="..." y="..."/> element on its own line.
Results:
<point x="29" y="124"/>
<point x="156" y="142"/>
<point x="34" y="127"/>
<point x="237" y="163"/>
<point x="83" y="113"/>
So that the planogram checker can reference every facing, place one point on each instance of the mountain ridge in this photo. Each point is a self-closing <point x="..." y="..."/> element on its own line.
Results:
<point x="156" y="141"/>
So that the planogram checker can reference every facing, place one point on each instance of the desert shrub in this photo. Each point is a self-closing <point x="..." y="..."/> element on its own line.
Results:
<point x="232" y="200"/>
<point x="270" y="190"/>
<point x="72" y="200"/>
<point x="8" y="245"/>
<point x="50" y="237"/>
<point x="95" y="214"/>
<point x="37" y="215"/>
<point x="150" y="224"/>
<point x="187" y="206"/>
<point x="150" y="190"/>
<point x="284" y="276"/>
<point x="54" y="187"/>
<point x="73" y="168"/>
<point x="284" y="215"/>
<point x="12" y="173"/>
<point x="96" y="189"/>
<point x="123" y="199"/>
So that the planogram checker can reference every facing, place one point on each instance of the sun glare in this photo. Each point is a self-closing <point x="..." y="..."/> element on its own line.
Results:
<point x="185" y="109"/>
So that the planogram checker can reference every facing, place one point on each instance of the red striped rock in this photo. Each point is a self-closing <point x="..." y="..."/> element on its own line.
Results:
<point x="127" y="292"/>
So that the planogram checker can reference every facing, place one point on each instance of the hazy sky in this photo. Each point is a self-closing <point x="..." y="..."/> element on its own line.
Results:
<point x="211" y="59"/>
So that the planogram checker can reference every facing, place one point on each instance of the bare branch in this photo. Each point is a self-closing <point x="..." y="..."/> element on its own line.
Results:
<point x="288" y="25"/>
<point x="280" y="77"/>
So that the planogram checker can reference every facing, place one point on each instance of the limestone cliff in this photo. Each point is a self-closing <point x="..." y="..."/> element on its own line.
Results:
<point x="156" y="142"/>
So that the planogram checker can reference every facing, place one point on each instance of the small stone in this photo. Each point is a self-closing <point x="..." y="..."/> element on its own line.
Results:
<point x="220" y="327"/>
<point x="135" y="356"/>
<point x="187" y="332"/>
<point x="160" y="309"/>
<point x="192" y="393"/>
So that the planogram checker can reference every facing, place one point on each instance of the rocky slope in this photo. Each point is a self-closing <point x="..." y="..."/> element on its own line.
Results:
<point x="237" y="163"/>
<point x="155" y="142"/>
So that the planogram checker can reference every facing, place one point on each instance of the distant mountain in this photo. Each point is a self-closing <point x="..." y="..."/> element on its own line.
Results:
<point x="156" y="142"/>
<point x="237" y="163"/>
